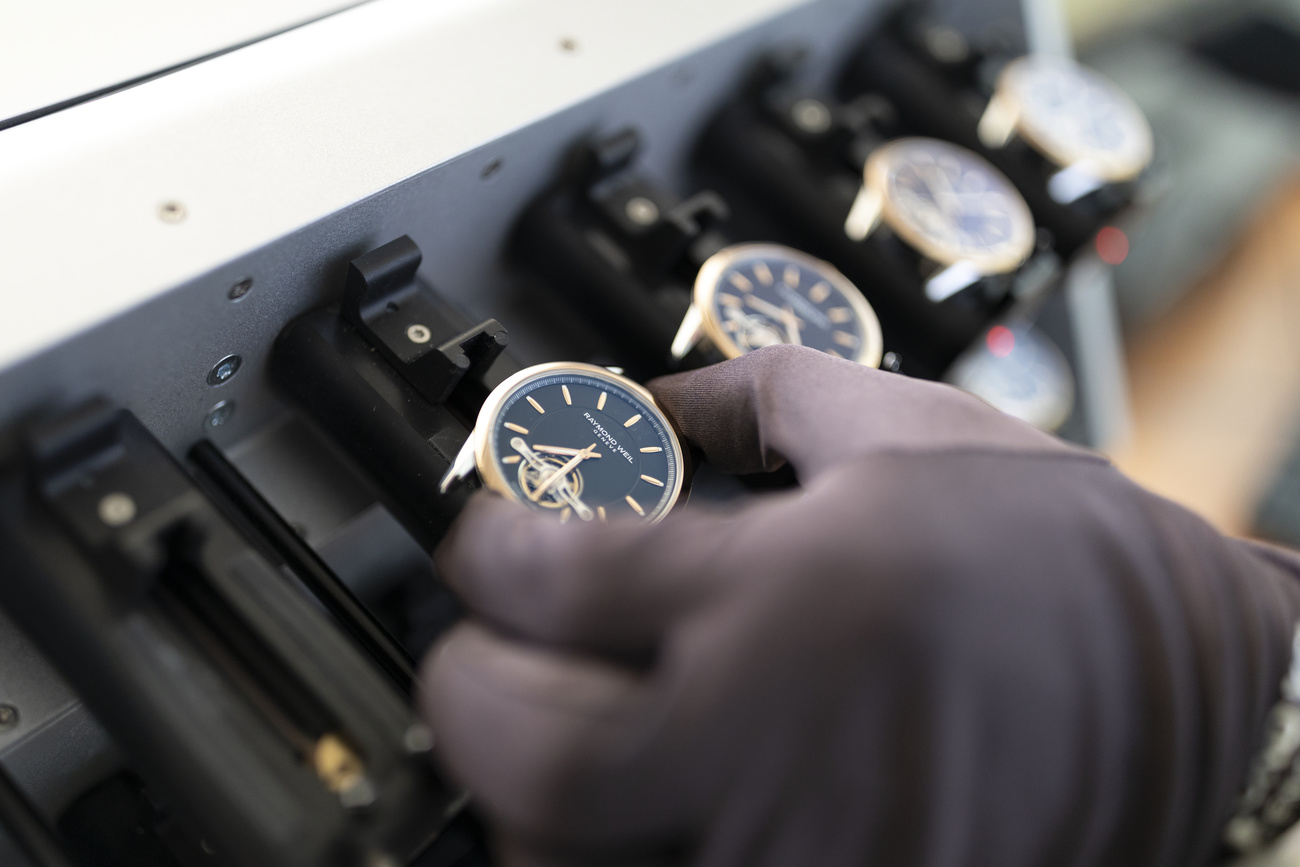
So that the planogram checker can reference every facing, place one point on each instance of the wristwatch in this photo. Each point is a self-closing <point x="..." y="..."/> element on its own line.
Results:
<point x="574" y="439"/>
<point x="950" y="205"/>
<point x="1018" y="369"/>
<point x="1076" y="118"/>
<point x="748" y="296"/>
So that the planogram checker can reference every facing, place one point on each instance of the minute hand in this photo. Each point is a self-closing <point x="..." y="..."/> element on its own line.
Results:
<point x="561" y="450"/>
<point x="785" y="316"/>
<point x="561" y="472"/>
<point x="563" y="492"/>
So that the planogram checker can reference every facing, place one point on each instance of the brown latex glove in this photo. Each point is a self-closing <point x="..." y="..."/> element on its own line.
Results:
<point x="960" y="642"/>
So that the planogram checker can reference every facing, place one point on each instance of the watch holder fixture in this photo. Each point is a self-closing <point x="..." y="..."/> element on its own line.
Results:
<point x="394" y="377"/>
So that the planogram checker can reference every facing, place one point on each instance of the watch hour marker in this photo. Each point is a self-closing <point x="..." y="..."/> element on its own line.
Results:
<point x="651" y="450"/>
<point x="636" y="507"/>
<point x="600" y="512"/>
<point x="834" y="353"/>
<point x="730" y="300"/>
<point x="791" y="276"/>
<point x="517" y="428"/>
<point x="820" y="292"/>
<point x="568" y="398"/>
<point x="600" y="404"/>
<point x="843" y="338"/>
<point x="566" y="515"/>
<point x="511" y="459"/>
<point x="839" y="315"/>
<point x="537" y="406"/>
<point x="763" y="273"/>
<point x="740" y="281"/>
<point x="633" y="420"/>
<point x="652" y="480"/>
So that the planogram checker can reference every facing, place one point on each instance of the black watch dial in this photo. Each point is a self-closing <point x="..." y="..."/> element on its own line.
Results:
<point x="582" y="443"/>
<point x="756" y="295"/>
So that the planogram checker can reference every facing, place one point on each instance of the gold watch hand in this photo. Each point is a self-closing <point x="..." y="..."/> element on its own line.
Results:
<point x="792" y="325"/>
<point x="561" y="472"/>
<point x="765" y="307"/>
<point x="563" y="493"/>
<point x="786" y="317"/>
<point x="561" y="450"/>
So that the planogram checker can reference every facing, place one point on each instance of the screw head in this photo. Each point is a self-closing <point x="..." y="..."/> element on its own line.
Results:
<point x="947" y="44"/>
<point x="219" y="414"/>
<point x="359" y="795"/>
<point x="891" y="362"/>
<point x="811" y="115"/>
<point x="418" y="739"/>
<point x="641" y="211"/>
<point x="240" y="289"/>
<point x="8" y="717"/>
<point x="117" y="509"/>
<point x="171" y="212"/>
<point x="224" y="369"/>
<point x="419" y="334"/>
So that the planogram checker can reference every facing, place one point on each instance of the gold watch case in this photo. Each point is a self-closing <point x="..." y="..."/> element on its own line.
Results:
<point x="481" y="446"/>
<point x="703" y="322"/>
<point x="1072" y="115"/>
<point x="880" y="202"/>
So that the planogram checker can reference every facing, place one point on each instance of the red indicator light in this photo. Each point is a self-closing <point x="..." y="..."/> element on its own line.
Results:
<point x="1000" y="340"/>
<point x="1112" y="245"/>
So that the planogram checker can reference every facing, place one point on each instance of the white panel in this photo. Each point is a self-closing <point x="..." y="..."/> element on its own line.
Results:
<point x="52" y="51"/>
<point x="264" y="140"/>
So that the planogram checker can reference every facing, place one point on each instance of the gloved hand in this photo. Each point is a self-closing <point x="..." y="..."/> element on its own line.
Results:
<point x="959" y="642"/>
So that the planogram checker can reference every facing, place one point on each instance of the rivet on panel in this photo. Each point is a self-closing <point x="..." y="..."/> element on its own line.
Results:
<point x="171" y="212"/>
<point x="240" y="289"/>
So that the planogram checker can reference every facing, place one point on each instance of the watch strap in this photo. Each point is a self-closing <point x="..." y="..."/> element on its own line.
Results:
<point x="1271" y="804"/>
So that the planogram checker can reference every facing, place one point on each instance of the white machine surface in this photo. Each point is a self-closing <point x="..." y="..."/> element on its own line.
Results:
<point x="262" y="141"/>
<point x="56" y="53"/>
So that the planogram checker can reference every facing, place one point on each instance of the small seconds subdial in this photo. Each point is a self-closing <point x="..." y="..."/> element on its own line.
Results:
<point x="756" y="295"/>
<point x="579" y="442"/>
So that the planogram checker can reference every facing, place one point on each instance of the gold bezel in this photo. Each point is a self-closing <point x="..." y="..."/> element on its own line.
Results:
<point x="876" y="177"/>
<point x="710" y="274"/>
<point x="1113" y="168"/>
<point x="487" y="463"/>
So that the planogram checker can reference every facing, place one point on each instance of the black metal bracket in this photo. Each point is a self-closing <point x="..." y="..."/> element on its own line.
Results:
<point x="622" y="248"/>
<point x="655" y="237"/>
<point x="224" y="685"/>
<point x="384" y="301"/>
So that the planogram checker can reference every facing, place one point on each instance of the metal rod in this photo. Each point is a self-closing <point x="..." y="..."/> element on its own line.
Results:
<point x="27" y="828"/>
<point x="307" y="565"/>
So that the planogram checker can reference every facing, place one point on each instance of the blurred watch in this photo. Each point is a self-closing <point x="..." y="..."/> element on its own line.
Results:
<point x="1018" y="369"/>
<point x="1076" y="118"/>
<point x="950" y="205"/>
<point x="748" y="296"/>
